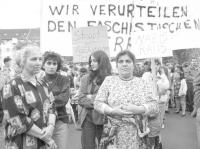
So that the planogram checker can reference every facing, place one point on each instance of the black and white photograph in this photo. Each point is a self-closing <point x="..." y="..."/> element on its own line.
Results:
<point x="100" y="74"/>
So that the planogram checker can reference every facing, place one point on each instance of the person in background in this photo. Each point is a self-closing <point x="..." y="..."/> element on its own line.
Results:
<point x="7" y="66"/>
<point x="64" y="71"/>
<point x="77" y="82"/>
<point x="147" y="75"/>
<point x="28" y="105"/>
<point x="59" y="85"/>
<point x="180" y="99"/>
<point x="171" y="88"/>
<point x="125" y="98"/>
<point x="177" y="85"/>
<point x="92" y="121"/>
<point x="7" y="72"/>
<point x="196" y="110"/>
<point x="162" y="89"/>
<point x="81" y="72"/>
<point x="154" y="122"/>
<point x="189" y="80"/>
<point x="71" y="75"/>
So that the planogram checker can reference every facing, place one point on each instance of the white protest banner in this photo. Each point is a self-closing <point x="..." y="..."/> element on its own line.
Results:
<point x="87" y="40"/>
<point x="151" y="44"/>
<point x="122" y="19"/>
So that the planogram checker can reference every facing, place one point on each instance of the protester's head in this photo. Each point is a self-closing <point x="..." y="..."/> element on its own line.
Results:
<point x="185" y="67"/>
<point x="65" y="69"/>
<point x="178" y="68"/>
<point x="7" y="61"/>
<point x="82" y="71"/>
<point x="51" y="62"/>
<point x="125" y="61"/>
<point x="147" y="66"/>
<point x="179" y="75"/>
<point x="99" y="65"/>
<point x="29" y="59"/>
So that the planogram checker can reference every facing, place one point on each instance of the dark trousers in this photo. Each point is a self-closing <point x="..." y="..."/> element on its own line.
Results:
<point x="90" y="133"/>
<point x="189" y="96"/>
<point x="1" y="106"/>
<point x="154" y="142"/>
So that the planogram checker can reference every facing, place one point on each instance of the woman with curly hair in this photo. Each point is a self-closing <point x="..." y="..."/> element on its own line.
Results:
<point x="92" y="121"/>
<point x="60" y="87"/>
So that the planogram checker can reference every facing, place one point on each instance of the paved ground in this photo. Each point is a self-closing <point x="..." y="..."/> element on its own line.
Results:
<point x="179" y="132"/>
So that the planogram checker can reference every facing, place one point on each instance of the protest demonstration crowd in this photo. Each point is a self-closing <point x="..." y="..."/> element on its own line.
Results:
<point x="117" y="73"/>
<point x="116" y="103"/>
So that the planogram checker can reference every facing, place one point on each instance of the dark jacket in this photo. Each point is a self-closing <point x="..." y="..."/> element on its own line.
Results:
<point x="86" y="103"/>
<point x="60" y="87"/>
<point x="196" y="85"/>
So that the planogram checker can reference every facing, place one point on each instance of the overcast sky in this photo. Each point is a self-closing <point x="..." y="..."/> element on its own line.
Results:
<point x="16" y="14"/>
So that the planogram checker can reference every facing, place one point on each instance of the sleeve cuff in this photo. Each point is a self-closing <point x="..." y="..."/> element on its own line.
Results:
<point x="29" y="124"/>
<point x="106" y="109"/>
<point x="146" y="107"/>
<point x="52" y="119"/>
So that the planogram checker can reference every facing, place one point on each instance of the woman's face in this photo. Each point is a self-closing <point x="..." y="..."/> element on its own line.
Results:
<point x="50" y="66"/>
<point x="146" y="68"/>
<point x="33" y="62"/>
<point x="125" y="66"/>
<point x="94" y="64"/>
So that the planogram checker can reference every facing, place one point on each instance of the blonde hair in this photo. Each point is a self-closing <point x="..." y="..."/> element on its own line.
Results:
<point x="22" y="55"/>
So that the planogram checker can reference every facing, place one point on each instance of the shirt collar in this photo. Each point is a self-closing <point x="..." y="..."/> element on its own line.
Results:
<point x="27" y="78"/>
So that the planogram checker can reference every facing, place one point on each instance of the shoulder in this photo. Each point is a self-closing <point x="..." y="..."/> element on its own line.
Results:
<point x="16" y="81"/>
<point x="183" y="81"/>
<point x="63" y="77"/>
<point x="85" y="78"/>
<point x="140" y="80"/>
<point x="111" y="79"/>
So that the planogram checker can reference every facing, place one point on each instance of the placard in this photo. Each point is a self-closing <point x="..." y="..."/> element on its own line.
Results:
<point x="87" y="40"/>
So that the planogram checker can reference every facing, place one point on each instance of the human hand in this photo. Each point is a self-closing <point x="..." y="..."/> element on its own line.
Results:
<point x="118" y="111"/>
<point x="48" y="132"/>
<point x="11" y="131"/>
<point x="134" y="109"/>
<point x="51" y="144"/>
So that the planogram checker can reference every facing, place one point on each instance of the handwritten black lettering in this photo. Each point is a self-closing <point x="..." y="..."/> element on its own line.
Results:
<point x="197" y="24"/>
<point x="93" y="9"/>
<point x="118" y="42"/>
<point x="187" y="24"/>
<point x="56" y="9"/>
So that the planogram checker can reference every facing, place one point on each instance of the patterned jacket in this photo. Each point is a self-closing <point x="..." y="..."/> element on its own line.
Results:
<point x="25" y="102"/>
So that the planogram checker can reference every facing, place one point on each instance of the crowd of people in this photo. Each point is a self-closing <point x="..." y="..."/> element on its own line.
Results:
<point x="40" y="97"/>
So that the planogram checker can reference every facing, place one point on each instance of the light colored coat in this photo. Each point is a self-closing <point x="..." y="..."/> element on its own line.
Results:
<point x="183" y="88"/>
